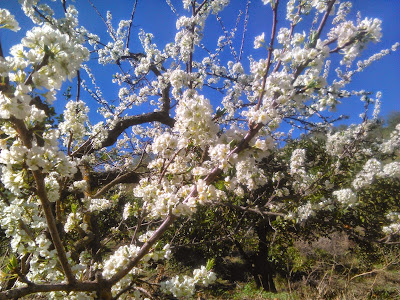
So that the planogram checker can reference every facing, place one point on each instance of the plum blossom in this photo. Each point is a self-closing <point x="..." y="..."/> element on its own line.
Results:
<point x="346" y="197"/>
<point x="8" y="21"/>
<point x="259" y="41"/>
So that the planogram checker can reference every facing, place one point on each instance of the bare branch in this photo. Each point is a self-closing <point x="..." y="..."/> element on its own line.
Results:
<point x="130" y="24"/>
<point x="109" y="28"/>
<point x="132" y="176"/>
<point x="270" y="49"/>
<point x="246" y="21"/>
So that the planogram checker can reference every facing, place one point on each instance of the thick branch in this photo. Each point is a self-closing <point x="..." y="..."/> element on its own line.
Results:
<point x="144" y="250"/>
<point x="41" y="193"/>
<point x="44" y="288"/>
<point x="130" y="177"/>
<point x="126" y="122"/>
<point x="41" y="105"/>
<point x="51" y="223"/>
<point x="123" y="124"/>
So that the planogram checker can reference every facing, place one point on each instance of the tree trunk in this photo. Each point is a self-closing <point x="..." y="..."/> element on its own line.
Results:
<point x="263" y="268"/>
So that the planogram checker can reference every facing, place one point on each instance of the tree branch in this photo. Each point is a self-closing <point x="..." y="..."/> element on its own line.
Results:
<point x="44" y="62"/>
<point x="144" y="250"/>
<point x="45" y="288"/>
<point x="270" y="49"/>
<point x="316" y="37"/>
<point x="130" y="24"/>
<point x="130" y="177"/>
<point x="126" y="122"/>
<point x="41" y="193"/>
<point x="252" y="210"/>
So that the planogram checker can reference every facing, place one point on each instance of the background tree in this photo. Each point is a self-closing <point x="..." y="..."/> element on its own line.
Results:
<point x="258" y="224"/>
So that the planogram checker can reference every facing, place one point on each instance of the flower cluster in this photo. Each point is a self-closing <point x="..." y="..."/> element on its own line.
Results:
<point x="194" y="120"/>
<point x="184" y="286"/>
<point x="74" y="126"/>
<point x="351" y="39"/>
<point x="394" y="227"/>
<point x="346" y="197"/>
<point x="297" y="161"/>
<point x="8" y="21"/>
<point x="392" y="145"/>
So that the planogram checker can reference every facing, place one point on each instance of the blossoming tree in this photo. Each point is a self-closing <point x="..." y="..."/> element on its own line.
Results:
<point x="59" y="179"/>
<point x="264" y="225"/>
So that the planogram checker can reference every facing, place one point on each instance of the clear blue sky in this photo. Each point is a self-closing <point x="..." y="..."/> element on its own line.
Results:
<point x="155" y="16"/>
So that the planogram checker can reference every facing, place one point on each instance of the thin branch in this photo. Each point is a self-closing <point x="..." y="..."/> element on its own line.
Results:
<point x="43" y="63"/>
<point x="143" y="250"/>
<point x="199" y="8"/>
<point x="316" y="37"/>
<point x="64" y="4"/>
<point x="227" y="36"/>
<point x="130" y="24"/>
<point x="252" y="210"/>
<point x="323" y="23"/>
<point x="270" y="49"/>
<point x="292" y="26"/>
<point x="109" y="28"/>
<point x="246" y="21"/>
<point x="168" y="164"/>
<point x="190" y="62"/>
<point x="78" y="85"/>
<point x="348" y="43"/>
<point x="394" y="261"/>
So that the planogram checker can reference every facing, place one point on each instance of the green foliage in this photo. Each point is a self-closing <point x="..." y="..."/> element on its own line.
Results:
<point x="250" y="292"/>
<point x="10" y="271"/>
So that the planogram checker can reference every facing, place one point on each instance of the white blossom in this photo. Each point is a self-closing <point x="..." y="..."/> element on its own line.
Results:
<point x="346" y="197"/>
<point x="8" y="21"/>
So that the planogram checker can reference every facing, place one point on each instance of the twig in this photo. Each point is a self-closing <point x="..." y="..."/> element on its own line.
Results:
<point x="109" y="28"/>
<point x="43" y="63"/>
<point x="316" y="37"/>
<point x="246" y="21"/>
<point x="394" y="261"/>
<point x="130" y="24"/>
<point x="78" y="85"/>
<point x="168" y="164"/>
<point x="270" y="49"/>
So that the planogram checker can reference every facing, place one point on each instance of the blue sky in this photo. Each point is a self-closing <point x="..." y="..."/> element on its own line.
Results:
<point x="155" y="16"/>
